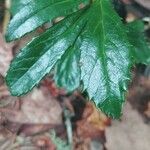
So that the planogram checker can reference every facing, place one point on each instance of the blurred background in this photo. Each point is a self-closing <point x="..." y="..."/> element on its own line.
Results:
<point x="50" y="119"/>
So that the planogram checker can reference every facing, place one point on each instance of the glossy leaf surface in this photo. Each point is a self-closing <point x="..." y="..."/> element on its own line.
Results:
<point x="17" y="5"/>
<point x="89" y="46"/>
<point x="34" y="13"/>
<point x="68" y="69"/>
<point x="38" y="57"/>
<point x="105" y="58"/>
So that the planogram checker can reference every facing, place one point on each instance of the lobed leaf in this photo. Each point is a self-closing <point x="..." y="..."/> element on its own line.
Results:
<point x="40" y="55"/>
<point x="89" y="46"/>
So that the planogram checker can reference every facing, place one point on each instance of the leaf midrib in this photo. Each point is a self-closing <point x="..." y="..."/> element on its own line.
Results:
<point x="104" y="58"/>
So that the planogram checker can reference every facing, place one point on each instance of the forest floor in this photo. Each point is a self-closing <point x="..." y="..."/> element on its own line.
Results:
<point x="48" y="116"/>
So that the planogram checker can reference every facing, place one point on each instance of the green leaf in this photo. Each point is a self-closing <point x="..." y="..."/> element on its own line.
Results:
<point x="40" y="55"/>
<point x="89" y="46"/>
<point x="34" y="13"/>
<point x="140" y="50"/>
<point x="17" y="5"/>
<point x="68" y="69"/>
<point x="105" y="58"/>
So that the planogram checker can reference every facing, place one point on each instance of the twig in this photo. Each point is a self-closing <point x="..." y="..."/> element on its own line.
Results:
<point x="6" y="15"/>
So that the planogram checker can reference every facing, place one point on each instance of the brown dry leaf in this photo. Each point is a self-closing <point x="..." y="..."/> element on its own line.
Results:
<point x="44" y="142"/>
<point x="90" y="129"/>
<point x="4" y="91"/>
<point x="9" y="141"/>
<point x="53" y="89"/>
<point x="131" y="17"/>
<point x="5" y="55"/>
<point x="81" y="144"/>
<point x="6" y="138"/>
<point x="139" y="95"/>
<point x="18" y="143"/>
<point x="131" y="133"/>
<point x="147" y="112"/>
<point x="36" y="108"/>
<point x="145" y="82"/>
<point x="126" y="1"/>
<point x="7" y="101"/>
<point x="144" y="3"/>
<point x="93" y="122"/>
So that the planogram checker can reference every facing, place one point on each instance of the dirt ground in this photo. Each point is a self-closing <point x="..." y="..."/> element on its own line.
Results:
<point x="48" y="118"/>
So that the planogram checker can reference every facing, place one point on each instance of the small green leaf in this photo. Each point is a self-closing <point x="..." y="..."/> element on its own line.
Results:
<point x="68" y="69"/>
<point x="141" y="49"/>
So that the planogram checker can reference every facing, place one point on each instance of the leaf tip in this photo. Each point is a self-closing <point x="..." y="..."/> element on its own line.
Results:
<point x="14" y="91"/>
<point x="8" y="37"/>
<point x="112" y="108"/>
